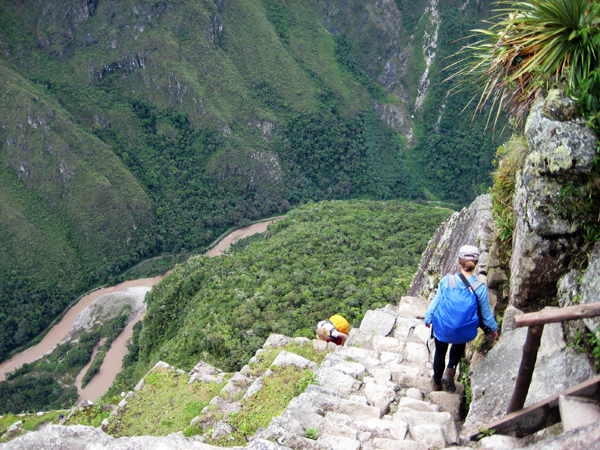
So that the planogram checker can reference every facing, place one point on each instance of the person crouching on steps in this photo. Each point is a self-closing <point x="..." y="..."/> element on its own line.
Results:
<point x="335" y="330"/>
<point x="455" y="317"/>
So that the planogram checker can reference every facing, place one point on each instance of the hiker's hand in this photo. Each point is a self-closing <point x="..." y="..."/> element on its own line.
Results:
<point x="496" y="335"/>
<point x="428" y="325"/>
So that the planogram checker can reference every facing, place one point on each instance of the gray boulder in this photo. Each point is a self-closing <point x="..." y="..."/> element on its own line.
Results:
<point x="413" y="307"/>
<point x="203" y="368"/>
<point x="386" y="429"/>
<point x="80" y="437"/>
<point x="405" y="326"/>
<point x="257" y="385"/>
<point x="508" y="323"/>
<point x="583" y="438"/>
<point x="544" y="239"/>
<point x="222" y="429"/>
<point x="277" y="340"/>
<point x="292" y="359"/>
<point x="436" y="429"/>
<point x="500" y="442"/>
<point x="378" y="323"/>
<point x="387" y="344"/>
<point x="353" y="369"/>
<point x="339" y="443"/>
<point x="262" y="444"/>
<point x="568" y="287"/>
<point x="319" y="402"/>
<point x="379" y="393"/>
<point x="359" y="338"/>
<point x="368" y="358"/>
<point x="391" y="444"/>
<point x="338" y="381"/>
<point x="590" y="286"/>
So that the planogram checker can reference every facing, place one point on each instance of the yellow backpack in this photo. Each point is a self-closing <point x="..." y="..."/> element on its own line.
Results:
<point x="340" y="323"/>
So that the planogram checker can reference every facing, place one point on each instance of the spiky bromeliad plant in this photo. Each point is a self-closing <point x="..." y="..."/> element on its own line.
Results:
<point x="530" y="45"/>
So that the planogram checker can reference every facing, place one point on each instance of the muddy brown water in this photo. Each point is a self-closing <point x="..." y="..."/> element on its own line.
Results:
<point x="114" y="358"/>
<point x="236" y="235"/>
<point x="111" y="366"/>
<point x="61" y="329"/>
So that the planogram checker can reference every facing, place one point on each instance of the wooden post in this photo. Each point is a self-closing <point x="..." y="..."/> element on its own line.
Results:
<point x="530" y="351"/>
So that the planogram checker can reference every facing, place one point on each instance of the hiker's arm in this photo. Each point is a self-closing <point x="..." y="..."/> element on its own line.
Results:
<point x="486" y="310"/>
<point x="344" y="336"/>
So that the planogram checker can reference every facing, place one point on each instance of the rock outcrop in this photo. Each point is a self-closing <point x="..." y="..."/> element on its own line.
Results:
<point x="590" y="286"/>
<point x="561" y="148"/>
<point x="472" y="226"/>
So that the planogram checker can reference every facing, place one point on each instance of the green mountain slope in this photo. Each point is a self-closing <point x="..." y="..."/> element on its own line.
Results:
<point x="68" y="205"/>
<point x="130" y="129"/>
<point x="321" y="259"/>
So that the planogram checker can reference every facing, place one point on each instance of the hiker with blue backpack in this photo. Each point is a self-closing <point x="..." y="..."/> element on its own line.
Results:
<point x="459" y="307"/>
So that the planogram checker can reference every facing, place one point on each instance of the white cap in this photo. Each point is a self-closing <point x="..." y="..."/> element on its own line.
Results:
<point x="469" y="252"/>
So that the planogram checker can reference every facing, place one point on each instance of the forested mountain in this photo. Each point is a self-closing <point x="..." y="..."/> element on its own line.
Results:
<point x="331" y="257"/>
<point x="129" y="129"/>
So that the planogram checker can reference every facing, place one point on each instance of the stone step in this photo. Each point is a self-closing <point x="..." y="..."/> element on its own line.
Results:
<point x="435" y="429"/>
<point x="413" y="307"/>
<point x="374" y="393"/>
<point x="577" y="412"/>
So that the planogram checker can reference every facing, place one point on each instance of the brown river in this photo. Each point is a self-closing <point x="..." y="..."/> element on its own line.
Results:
<point x="113" y="361"/>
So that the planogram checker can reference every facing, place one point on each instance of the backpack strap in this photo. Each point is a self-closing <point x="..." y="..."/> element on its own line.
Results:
<point x="476" y="285"/>
<point x="451" y="281"/>
<point x="472" y="288"/>
<point x="468" y="285"/>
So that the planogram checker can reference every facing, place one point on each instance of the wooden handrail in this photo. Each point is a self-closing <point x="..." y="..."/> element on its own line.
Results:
<point x="540" y="415"/>
<point x="530" y="351"/>
<point x="536" y="321"/>
<point x="558" y="315"/>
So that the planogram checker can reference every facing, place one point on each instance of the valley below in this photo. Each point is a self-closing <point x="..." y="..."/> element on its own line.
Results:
<point x="78" y="317"/>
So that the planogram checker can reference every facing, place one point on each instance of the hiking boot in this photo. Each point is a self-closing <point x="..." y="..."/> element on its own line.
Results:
<point x="435" y="386"/>
<point x="448" y="380"/>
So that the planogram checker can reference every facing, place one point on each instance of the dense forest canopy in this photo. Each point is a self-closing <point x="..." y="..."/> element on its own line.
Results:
<point x="324" y="258"/>
<point x="133" y="129"/>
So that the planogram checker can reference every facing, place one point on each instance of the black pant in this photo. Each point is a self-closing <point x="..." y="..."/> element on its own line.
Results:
<point x="439" y="360"/>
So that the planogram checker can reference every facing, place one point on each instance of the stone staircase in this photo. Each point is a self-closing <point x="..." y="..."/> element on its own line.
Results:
<point x="374" y="392"/>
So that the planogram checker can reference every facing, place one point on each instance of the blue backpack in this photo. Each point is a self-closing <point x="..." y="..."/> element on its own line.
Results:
<point x="455" y="320"/>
